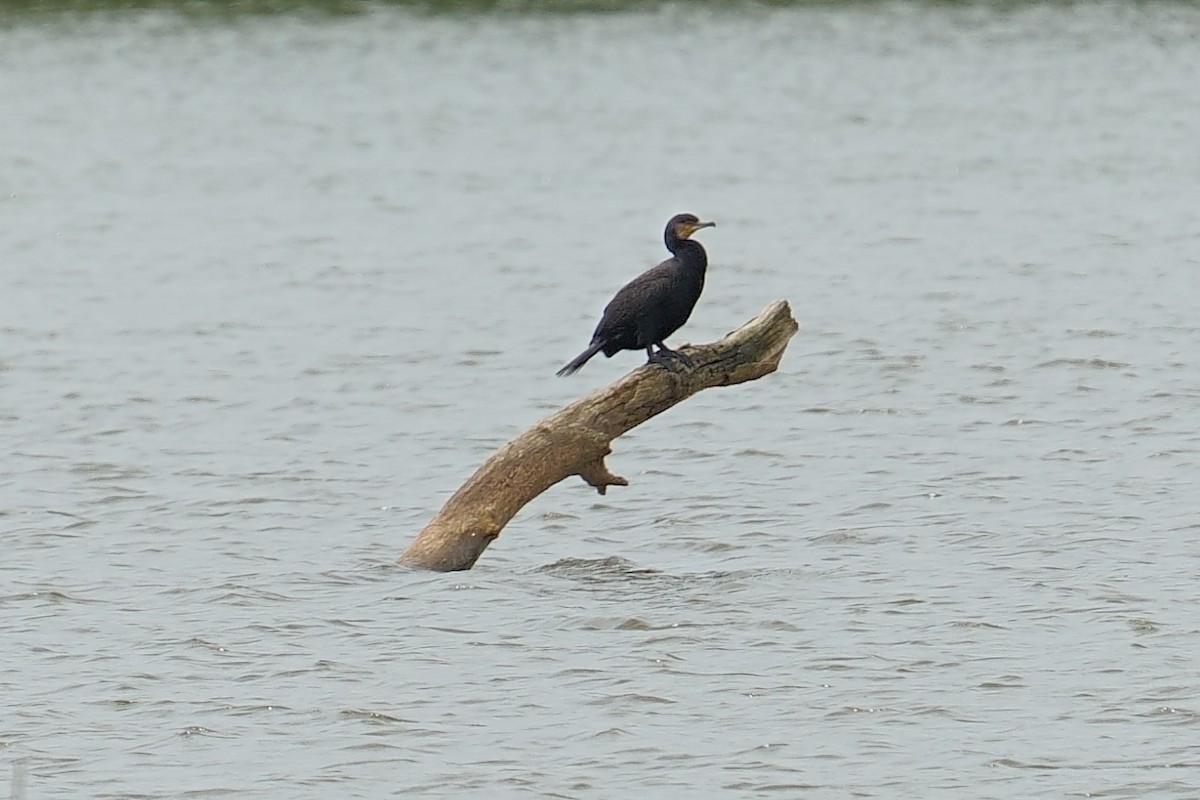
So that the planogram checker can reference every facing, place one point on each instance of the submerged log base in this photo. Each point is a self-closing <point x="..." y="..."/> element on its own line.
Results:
<point x="576" y="439"/>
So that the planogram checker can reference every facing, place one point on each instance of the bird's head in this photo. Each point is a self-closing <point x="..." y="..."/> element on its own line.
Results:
<point x="682" y="226"/>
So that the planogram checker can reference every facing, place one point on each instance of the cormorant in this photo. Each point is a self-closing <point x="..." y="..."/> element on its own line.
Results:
<point x="656" y="303"/>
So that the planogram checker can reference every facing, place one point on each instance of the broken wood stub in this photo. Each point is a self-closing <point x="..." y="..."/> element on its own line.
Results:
<point x="576" y="439"/>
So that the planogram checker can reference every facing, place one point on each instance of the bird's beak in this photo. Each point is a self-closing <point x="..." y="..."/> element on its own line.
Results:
<point x="698" y="225"/>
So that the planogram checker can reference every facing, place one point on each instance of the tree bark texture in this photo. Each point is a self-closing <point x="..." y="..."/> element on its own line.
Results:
<point x="576" y="439"/>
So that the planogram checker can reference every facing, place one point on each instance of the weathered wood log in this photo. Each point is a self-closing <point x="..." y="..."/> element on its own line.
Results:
<point x="575" y="440"/>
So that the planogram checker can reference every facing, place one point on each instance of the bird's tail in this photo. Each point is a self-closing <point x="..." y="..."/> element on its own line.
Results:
<point x="578" y="361"/>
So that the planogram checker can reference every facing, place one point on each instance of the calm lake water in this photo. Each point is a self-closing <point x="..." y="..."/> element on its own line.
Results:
<point x="272" y="287"/>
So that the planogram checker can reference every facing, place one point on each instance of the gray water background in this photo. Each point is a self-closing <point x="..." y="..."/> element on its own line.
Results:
<point x="272" y="287"/>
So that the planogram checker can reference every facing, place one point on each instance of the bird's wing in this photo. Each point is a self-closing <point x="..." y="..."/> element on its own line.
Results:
<point x="638" y="297"/>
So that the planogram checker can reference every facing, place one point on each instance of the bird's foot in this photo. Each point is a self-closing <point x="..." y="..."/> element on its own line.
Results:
<point x="669" y="358"/>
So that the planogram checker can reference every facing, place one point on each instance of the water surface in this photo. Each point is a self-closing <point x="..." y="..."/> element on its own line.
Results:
<point x="272" y="287"/>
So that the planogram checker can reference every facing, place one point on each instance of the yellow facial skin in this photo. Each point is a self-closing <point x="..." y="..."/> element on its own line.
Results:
<point x="685" y="229"/>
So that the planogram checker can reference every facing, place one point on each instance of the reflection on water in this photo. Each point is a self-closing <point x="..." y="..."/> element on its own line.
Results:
<point x="271" y="290"/>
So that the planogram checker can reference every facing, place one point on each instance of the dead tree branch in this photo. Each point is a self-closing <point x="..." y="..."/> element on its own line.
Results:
<point x="576" y="439"/>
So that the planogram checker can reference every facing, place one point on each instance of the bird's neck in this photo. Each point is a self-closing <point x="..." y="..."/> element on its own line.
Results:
<point x="690" y="252"/>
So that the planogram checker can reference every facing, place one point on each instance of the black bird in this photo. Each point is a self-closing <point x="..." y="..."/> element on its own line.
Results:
<point x="656" y="303"/>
